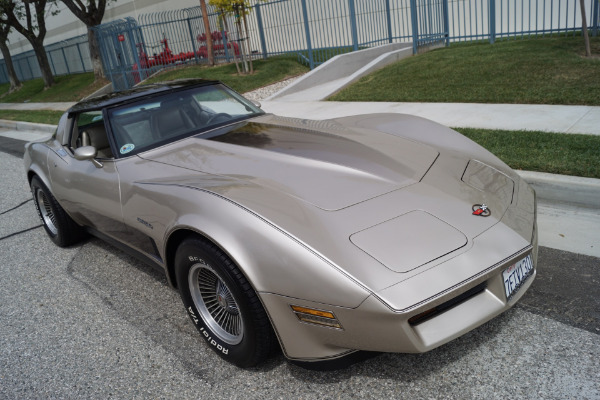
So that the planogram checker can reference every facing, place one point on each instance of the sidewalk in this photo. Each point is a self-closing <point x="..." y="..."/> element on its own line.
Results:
<point x="37" y="106"/>
<point x="532" y="117"/>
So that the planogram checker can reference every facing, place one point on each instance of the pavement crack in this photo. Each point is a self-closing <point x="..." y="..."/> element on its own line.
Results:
<point x="15" y="207"/>
<point x="19" y="232"/>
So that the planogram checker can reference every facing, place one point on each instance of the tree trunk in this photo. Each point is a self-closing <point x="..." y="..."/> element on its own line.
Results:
<point x="248" y="41"/>
<point x="586" y="38"/>
<point x="95" y="54"/>
<point x="42" y="58"/>
<point x="241" y="44"/>
<point x="232" y="48"/>
<point x="15" y="83"/>
<point x="209" y="42"/>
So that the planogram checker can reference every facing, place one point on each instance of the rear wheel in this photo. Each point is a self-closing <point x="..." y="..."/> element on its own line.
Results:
<point x="60" y="227"/>
<point x="222" y="304"/>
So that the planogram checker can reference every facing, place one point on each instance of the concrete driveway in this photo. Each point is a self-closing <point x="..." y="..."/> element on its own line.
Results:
<point x="91" y="322"/>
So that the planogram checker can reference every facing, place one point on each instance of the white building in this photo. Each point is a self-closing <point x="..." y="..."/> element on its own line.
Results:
<point x="65" y="25"/>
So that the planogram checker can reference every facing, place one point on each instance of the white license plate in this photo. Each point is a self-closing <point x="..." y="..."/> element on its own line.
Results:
<point x="515" y="275"/>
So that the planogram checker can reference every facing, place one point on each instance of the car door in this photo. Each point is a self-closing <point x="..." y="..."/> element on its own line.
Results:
<point x="88" y="189"/>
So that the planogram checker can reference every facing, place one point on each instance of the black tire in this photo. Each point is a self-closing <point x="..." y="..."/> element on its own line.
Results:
<point x="58" y="224"/>
<point x="222" y="304"/>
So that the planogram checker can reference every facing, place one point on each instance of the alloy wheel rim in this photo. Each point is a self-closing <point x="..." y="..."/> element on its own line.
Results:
<point x="216" y="304"/>
<point x="46" y="212"/>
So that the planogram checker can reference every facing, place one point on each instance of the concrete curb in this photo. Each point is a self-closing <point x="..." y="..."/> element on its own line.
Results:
<point x="26" y="126"/>
<point x="573" y="190"/>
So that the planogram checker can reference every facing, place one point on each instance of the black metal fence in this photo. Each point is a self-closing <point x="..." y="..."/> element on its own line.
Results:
<point x="66" y="57"/>
<point x="315" y="30"/>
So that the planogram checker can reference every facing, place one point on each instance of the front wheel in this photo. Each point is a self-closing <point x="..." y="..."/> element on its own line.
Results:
<point x="222" y="304"/>
<point x="58" y="224"/>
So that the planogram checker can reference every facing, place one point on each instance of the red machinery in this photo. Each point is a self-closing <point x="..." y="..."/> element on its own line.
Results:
<point x="166" y="56"/>
<point x="218" y="45"/>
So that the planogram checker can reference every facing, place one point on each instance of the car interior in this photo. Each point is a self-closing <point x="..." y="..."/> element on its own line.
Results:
<point x="156" y="120"/>
<point x="91" y="134"/>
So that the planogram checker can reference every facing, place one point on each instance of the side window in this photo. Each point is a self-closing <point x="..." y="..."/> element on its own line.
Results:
<point x="89" y="130"/>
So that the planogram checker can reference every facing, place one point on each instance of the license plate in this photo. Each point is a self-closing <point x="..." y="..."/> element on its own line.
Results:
<point x="515" y="275"/>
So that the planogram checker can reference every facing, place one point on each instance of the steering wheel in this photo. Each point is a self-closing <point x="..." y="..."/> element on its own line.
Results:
<point x="224" y="116"/>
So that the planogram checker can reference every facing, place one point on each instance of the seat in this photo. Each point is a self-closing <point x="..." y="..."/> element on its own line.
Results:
<point x="96" y="136"/>
<point x="170" y="120"/>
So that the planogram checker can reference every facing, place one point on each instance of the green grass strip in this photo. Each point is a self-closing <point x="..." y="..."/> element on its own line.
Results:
<point x="272" y="70"/>
<point x="556" y="153"/>
<point x="548" y="70"/>
<point x="67" y="88"/>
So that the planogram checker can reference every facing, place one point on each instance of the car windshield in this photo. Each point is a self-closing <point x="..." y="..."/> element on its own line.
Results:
<point x="158" y="120"/>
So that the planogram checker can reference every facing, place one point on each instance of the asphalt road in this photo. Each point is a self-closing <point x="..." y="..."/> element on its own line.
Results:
<point x="91" y="322"/>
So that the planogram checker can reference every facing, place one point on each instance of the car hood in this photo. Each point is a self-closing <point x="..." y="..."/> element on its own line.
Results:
<point x="292" y="173"/>
<point x="319" y="162"/>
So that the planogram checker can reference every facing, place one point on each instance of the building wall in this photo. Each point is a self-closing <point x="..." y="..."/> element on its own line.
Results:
<point x="65" y="25"/>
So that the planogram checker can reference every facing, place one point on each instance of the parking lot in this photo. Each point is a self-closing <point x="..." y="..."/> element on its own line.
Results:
<point x="91" y="322"/>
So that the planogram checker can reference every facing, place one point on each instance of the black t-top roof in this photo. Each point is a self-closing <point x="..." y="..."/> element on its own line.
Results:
<point x="136" y="93"/>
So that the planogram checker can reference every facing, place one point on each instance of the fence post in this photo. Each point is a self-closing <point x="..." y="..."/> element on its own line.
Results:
<point x="131" y="28"/>
<point x="191" y="39"/>
<point x="261" y="31"/>
<point x="415" y="24"/>
<point x="311" y="61"/>
<point x="353" y="24"/>
<point x="595" y="17"/>
<point x="492" y="21"/>
<point x="107" y="65"/>
<point x="446" y="23"/>
<point x="81" y="58"/>
<point x="65" y="58"/>
<point x="389" y="20"/>
<point x="225" y="43"/>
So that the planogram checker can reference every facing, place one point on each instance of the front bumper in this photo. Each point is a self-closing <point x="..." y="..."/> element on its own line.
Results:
<point x="373" y="326"/>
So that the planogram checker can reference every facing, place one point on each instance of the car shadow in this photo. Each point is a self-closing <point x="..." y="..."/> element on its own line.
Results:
<point x="140" y="295"/>
<point x="407" y="368"/>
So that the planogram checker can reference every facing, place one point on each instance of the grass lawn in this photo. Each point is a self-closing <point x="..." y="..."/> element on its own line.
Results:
<point x="37" y="116"/>
<point x="556" y="153"/>
<point x="535" y="71"/>
<point x="266" y="72"/>
<point x="67" y="88"/>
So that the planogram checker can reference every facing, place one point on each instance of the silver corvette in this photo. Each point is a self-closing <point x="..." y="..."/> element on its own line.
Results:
<point x="380" y="232"/>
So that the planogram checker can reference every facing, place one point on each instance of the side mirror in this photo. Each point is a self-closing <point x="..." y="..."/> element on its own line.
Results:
<point x="88" y="153"/>
<point x="257" y="103"/>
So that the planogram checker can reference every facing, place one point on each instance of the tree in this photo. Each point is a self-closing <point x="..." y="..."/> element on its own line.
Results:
<point x="586" y="37"/>
<point x="15" y="83"/>
<point x="91" y="15"/>
<point x="34" y="29"/>
<point x="238" y="8"/>
<point x="209" y="42"/>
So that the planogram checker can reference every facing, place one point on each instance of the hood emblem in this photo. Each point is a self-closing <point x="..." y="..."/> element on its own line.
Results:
<point x="482" y="210"/>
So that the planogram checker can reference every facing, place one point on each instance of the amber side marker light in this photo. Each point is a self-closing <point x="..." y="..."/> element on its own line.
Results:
<point x="317" y="317"/>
